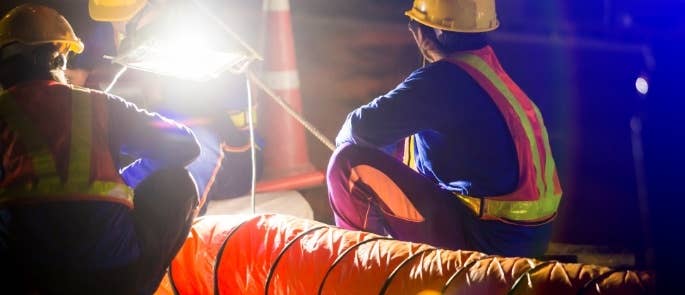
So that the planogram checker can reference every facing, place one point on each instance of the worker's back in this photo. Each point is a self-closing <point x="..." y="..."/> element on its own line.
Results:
<point x="472" y="141"/>
<point x="70" y="236"/>
<point x="52" y="234"/>
<point x="50" y="113"/>
<point x="68" y="224"/>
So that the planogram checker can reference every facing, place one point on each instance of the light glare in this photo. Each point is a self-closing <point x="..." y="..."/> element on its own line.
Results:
<point x="642" y="85"/>
<point x="183" y="51"/>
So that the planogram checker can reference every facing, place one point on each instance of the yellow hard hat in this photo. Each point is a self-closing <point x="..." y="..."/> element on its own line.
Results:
<point x="36" y="24"/>
<point x="114" y="10"/>
<point x="466" y="16"/>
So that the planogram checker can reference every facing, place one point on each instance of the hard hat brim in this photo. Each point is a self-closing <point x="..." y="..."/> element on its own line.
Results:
<point x="412" y="14"/>
<point x="114" y="13"/>
<point x="75" y="46"/>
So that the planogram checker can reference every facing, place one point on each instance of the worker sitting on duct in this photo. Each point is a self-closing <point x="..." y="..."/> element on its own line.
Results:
<point x="69" y="224"/>
<point x="478" y="172"/>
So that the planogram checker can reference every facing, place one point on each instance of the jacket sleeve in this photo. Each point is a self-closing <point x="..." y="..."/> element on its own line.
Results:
<point x="155" y="142"/>
<point x="412" y="106"/>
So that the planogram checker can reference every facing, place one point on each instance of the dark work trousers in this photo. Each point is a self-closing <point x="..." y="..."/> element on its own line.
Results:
<point x="92" y="247"/>
<point x="372" y="191"/>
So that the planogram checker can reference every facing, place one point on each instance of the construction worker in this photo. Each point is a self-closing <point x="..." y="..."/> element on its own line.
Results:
<point x="478" y="173"/>
<point x="68" y="222"/>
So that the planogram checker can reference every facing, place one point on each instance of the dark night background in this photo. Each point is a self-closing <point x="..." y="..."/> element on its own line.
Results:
<point x="577" y="59"/>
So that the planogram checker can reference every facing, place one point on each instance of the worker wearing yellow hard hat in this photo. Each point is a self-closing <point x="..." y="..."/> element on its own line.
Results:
<point x="477" y="172"/>
<point x="68" y="220"/>
<point x="39" y="25"/>
<point x="466" y="16"/>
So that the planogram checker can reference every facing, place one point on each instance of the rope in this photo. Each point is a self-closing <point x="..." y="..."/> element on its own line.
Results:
<point x="116" y="78"/>
<point x="327" y="142"/>
<point x="227" y="30"/>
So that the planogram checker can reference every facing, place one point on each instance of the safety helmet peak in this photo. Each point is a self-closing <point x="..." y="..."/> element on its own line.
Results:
<point x="465" y="16"/>
<point x="33" y="24"/>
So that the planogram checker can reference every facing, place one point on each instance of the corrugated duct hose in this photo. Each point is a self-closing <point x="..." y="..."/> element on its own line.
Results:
<point x="277" y="254"/>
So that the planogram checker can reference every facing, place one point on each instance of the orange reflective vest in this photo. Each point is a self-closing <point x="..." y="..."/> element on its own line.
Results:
<point x="538" y="192"/>
<point x="44" y="162"/>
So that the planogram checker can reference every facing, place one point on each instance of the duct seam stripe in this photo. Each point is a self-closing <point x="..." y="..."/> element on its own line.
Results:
<point x="397" y="269"/>
<point x="597" y="280"/>
<point x="282" y="80"/>
<point x="519" y="280"/>
<point x="220" y="254"/>
<point x="461" y="270"/>
<point x="170" y="275"/>
<point x="276" y="5"/>
<point x="292" y="242"/>
<point x="342" y="255"/>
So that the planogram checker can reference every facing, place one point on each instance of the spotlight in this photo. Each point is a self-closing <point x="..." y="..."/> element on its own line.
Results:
<point x="184" y="43"/>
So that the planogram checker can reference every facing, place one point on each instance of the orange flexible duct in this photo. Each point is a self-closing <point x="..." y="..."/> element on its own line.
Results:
<point x="276" y="254"/>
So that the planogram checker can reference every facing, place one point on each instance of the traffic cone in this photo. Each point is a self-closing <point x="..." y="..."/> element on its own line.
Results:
<point x="286" y="162"/>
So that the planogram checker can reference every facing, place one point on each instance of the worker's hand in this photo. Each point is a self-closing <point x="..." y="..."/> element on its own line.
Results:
<point x="427" y="42"/>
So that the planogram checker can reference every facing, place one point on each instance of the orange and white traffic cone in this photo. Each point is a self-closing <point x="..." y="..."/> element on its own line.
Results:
<point x="286" y="162"/>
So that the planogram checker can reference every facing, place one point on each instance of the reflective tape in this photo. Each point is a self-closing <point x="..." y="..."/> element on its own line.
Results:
<point x="487" y="72"/>
<point x="276" y="5"/>
<point x="282" y="80"/>
<point x="81" y="139"/>
<point x="50" y="186"/>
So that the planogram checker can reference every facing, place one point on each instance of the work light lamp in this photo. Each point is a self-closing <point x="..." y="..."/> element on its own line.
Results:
<point x="185" y="41"/>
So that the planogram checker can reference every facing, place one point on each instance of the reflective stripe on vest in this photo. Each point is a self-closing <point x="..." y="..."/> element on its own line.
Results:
<point x="409" y="157"/>
<point x="240" y="118"/>
<point x="49" y="184"/>
<point x="523" y="204"/>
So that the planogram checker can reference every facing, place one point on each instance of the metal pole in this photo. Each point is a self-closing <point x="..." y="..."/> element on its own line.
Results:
<point x="253" y="157"/>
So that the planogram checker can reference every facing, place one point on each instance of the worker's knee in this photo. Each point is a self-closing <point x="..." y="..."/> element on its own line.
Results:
<point x="168" y="185"/>
<point x="344" y="156"/>
<point x="347" y="156"/>
<point x="347" y="152"/>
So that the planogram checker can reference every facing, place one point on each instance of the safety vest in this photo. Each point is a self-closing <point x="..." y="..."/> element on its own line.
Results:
<point x="538" y="193"/>
<point x="90" y="173"/>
